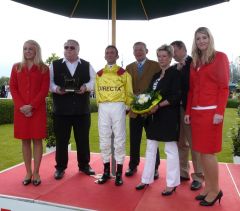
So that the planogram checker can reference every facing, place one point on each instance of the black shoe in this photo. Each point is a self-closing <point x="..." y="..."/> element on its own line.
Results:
<point x="130" y="172"/>
<point x="182" y="179"/>
<point x="59" y="174"/>
<point x="196" y="185"/>
<point x="26" y="181"/>
<point x="118" y="179"/>
<point x="105" y="177"/>
<point x="156" y="174"/>
<point x="141" y="186"/>
<point x="36" y="182"/>
<point x="200" y="197"/>
<point x="211" y="203"/>
<point x="168" y="193"/>
<point x="87" y="170"/>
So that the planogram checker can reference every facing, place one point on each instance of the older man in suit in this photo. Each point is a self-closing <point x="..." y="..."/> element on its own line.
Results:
<point x="142" y="71"/>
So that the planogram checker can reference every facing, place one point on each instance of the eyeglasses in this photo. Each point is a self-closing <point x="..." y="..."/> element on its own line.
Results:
<point x="69" y="47"/>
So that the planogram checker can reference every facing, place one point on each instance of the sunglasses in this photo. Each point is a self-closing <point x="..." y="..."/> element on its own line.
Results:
<point x="69" y="47"/>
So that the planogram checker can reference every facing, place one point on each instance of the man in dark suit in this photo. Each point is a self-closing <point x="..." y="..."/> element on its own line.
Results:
<point x="142" y="71"/>
<point x="185" y="138"/>
<point x="72" y="79"/>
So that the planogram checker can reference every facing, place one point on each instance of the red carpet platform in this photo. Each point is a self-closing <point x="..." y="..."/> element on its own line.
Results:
<point x="77" y="191"/>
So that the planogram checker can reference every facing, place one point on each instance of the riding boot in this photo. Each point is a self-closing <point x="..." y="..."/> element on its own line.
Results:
<point x="106" y="175"/>
<point x="118" y="180"/>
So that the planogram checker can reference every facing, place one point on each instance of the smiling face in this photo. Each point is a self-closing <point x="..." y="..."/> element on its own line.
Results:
<point x="29" y="51"/>
<point x="164" y="59"/>
<point x="202" y="41"/>
<point x="140" y="52"/>
<point x="71" y="50"/>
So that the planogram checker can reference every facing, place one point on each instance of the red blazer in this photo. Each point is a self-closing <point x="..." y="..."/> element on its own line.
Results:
<point x="209" y="84"/>
<point x="29" y="87"/>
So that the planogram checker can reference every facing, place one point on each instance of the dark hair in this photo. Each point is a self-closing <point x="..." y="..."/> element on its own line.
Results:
<point x="179" y="44"/>
<point x="140" y="43"/>
<point x="112" y="46"/>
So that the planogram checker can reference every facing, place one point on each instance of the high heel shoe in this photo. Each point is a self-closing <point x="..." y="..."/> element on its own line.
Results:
<point x="211" y="203"/>
<point x="168" y="193"/>
<point x="36" y="182"/>
<point x="200" y="197"/>
<point x="141" y="186"/>
<point x="26" y="181"/>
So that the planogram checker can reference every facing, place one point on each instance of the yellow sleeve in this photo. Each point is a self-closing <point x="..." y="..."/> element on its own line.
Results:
<point x="96" y="89"/>
<point x="128" y="89"/>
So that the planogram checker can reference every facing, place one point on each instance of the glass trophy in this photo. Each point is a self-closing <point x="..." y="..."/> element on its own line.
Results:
<point x="70" y="85"/>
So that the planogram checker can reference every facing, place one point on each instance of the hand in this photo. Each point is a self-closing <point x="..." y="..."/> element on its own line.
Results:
<point x="154" y="109"/>
<point x="187" y="119"/>
<point x="29" y="114"/>
<point x="25" y="109"/>
<point x="82" y="89"/>
<point x="217" y="119"/>
<point x="60" y="91"/>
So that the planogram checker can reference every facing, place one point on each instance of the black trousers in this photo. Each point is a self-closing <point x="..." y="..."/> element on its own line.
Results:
<point x="136" y="128"/>
<point x="63" y="125"/>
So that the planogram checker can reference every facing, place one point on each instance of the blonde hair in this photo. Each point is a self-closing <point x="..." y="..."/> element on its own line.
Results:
<point x="168" y="48"/>
<point x="197" y="56"/>
<point x="37" y="59"/>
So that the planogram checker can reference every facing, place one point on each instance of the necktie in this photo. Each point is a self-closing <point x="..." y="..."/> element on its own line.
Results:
<point x="139" y="68"/>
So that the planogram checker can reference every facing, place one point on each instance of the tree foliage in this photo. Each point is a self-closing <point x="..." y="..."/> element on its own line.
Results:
<point x="4" y="80"/>
<point x="51" y="58"/>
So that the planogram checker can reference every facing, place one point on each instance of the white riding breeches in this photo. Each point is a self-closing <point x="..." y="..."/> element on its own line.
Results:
<point x="112" y="119"/>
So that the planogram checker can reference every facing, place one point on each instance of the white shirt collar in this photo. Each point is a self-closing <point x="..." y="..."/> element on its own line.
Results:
<point x="142" y="62"/>
<point x="65" y="60"/>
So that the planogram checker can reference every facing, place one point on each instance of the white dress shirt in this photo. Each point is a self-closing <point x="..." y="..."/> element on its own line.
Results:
<point x="72" y="68"/>
<point x="142" y="62"/>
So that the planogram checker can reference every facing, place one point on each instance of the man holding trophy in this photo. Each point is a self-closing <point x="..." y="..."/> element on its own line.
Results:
<point x="71" y="80"/>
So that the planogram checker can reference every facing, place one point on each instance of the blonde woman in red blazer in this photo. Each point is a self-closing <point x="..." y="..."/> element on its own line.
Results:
<point x="29" y="85"/>
<point x="207" y="99"/>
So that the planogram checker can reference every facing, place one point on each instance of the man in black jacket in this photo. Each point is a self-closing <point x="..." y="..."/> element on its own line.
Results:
<point x="185" y="138"/>
<point x="72" y="79"/>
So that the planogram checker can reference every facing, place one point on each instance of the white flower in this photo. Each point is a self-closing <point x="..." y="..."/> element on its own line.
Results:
<point x="143" y="98"/>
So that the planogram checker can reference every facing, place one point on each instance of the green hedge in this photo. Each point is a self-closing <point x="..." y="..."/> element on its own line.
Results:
<point x="93" y="105"/>
<point x="232" y="103"/>
<point x="6" y="111"/>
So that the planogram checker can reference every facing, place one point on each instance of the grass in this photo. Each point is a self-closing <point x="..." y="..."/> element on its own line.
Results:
<point x="11" y="148"/>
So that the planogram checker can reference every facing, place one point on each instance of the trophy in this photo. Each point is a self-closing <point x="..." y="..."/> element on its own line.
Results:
<point x="71" y="84"/>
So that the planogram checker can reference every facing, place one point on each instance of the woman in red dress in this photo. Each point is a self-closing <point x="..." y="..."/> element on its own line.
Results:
<point x="29" y="85"/>
<point x="207" y="99"/>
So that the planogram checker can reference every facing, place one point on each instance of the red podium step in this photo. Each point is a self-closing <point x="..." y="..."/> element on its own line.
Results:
<point x="77" y="191"/>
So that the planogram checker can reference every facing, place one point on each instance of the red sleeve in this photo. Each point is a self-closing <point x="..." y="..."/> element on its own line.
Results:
<point x="190" y="93"/>
<point x="222" y="68"/>
<point x="42" y="94"/>
<point x="14" y="89"/>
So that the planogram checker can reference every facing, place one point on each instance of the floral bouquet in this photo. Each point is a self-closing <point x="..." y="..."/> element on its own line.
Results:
<point x="143" y="103"/>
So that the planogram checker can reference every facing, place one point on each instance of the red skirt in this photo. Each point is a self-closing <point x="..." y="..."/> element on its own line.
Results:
<point x="206" y="136"/>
